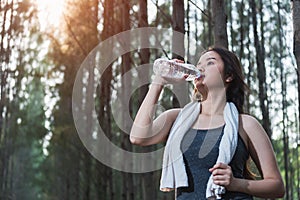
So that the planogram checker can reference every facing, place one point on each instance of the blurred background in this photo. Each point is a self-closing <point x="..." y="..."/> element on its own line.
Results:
<point x="43" y="44"/>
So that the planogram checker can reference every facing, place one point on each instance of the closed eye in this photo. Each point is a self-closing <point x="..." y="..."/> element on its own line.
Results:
<point x="210" y="63"/>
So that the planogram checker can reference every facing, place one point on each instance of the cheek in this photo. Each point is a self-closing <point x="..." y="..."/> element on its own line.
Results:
<point x="214" y="73"/>
<point x="215" y="79"/>
<point x="219" y="73"/>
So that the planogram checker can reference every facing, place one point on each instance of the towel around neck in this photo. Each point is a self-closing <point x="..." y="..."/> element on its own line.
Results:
<point x="173" y="170"/>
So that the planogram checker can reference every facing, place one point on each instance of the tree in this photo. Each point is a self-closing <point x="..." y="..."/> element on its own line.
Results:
<point x="126" y="82"/>
<point x="104" y="98"/>
<point x="296" y="50"/>
<point x="261" y="70"/>
<point x="284" y="106"/>
<point x="144" y="54"/>
<point x="219" y="23"/>
<point x="178" y="50"/>
<point x="65" y="169"/>
<point x="66" y="150"/>
<point x="21" y="115"/>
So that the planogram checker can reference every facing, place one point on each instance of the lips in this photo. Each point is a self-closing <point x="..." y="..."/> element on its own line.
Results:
<point x="200" y="77"/>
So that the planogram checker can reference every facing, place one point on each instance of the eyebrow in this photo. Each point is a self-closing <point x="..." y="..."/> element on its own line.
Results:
<point x="209" y="58"/>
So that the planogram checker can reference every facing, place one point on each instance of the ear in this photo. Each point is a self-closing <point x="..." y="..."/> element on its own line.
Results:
<point x="229" y="79"/>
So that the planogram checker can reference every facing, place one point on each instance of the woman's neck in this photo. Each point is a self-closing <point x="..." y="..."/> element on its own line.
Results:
<point x="214" y="103"/>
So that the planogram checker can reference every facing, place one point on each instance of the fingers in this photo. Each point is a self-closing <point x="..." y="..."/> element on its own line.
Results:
<point x="178" y="60"/>
<point x="185" y="76"/>
<point x="221" y="182"/>
<point x="219" y="166"/>
<point x="163" y="80"/>
<point x="222" y="174"/>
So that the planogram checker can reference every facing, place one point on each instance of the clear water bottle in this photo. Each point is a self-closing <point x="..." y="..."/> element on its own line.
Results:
<point x="174" y="70"/>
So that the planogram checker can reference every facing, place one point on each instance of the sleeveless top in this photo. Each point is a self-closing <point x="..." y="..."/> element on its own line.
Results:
<point x="200" y="150"/>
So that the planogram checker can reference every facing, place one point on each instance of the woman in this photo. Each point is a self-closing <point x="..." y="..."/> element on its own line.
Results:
<point x="222" y="82"/>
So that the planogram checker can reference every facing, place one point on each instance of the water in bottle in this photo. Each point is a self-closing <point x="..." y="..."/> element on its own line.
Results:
<point x="175" y="70"/>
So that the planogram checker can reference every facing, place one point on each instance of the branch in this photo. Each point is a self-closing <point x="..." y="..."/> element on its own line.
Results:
<point x="74" y="36"/>
<point x="162" y="12"/>
<point x="202" y="11"/>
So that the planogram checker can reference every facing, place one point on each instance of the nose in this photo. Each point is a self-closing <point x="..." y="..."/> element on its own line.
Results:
<point x="201" y="68"/>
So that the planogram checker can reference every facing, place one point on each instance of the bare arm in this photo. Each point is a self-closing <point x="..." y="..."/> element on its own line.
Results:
<point x="145" y="130"/>
<point x="261" y="151"/>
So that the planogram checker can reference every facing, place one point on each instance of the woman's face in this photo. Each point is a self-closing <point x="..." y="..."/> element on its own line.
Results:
<point x="211" y="66"/>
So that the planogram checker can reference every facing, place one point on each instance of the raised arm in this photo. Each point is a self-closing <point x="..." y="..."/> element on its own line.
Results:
<point x="145" y="130"/>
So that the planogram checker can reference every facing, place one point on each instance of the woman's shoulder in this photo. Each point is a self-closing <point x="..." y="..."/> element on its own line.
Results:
<point x="248" y="121"/>
<point x="249" y="127"/>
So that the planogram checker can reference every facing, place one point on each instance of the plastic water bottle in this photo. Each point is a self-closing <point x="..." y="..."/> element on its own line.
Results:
<point x="174" y="70"/>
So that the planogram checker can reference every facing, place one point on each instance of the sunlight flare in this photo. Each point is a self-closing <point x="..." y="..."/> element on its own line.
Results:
<point x="50" y="12"/>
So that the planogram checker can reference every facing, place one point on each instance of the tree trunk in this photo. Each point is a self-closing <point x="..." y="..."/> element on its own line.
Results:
<point x="188" y="30"/>
<point x="241" y="29"/>
<point x="105" y="174"/>
<point x="261" y="71"/>
<point x="250" y="68"/>
<point x="284" y="107"/>
<point x="296" y="51"/>
<point x="181" y="95"/>
<point x="147" y="179"/>
<point x="220" y="23"/>
<point x="128" y="188"/>
<point x="4" y="74"/>
<point x="87" y="175"/>
<point x="210" y="24"/>
<point x="231" y="29"/>
<point x="144" y="53"/>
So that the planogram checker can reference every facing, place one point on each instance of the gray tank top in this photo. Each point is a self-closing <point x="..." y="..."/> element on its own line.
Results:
<point x="200" y="151"/>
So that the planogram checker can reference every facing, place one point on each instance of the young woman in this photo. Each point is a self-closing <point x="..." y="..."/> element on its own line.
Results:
<point x="222" y="82"/>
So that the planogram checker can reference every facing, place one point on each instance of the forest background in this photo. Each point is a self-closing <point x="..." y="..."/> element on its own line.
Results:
<point x="50" y="144"/>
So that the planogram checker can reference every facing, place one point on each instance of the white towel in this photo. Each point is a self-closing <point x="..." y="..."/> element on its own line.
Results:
<point x="173" y="169"/>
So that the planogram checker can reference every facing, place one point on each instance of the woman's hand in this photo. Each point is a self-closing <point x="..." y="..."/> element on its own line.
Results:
<point x="166" y="80"/>
<point x="222" y="175"/>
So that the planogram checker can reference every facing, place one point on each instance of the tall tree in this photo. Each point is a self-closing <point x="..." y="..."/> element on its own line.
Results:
<point x="127" y="187"/>
<point x="284" y="105"/>
<point x="105" y="175"/>
<point x="146" y="178"/>
<point x="21" y="115"/>
<point x="219" y="23"/>
<point x="178" y="50"/>
<point x="144" y="53"/>
<point x="296" y="50"/>
<point x="68" y="53"/>
<point x="260" y="61"/>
